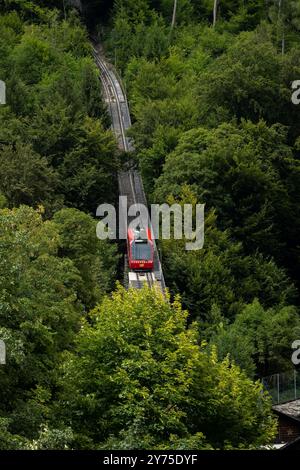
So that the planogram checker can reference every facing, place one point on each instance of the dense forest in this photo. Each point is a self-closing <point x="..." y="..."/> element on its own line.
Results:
<point x="89" y="364"/>
<point x="214" y="123"/>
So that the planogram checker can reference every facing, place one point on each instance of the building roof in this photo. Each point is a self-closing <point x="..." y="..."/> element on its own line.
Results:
<point x="290" y="409"/>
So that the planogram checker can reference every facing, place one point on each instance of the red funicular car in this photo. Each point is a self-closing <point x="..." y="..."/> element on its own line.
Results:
<point x="140" y="249"/>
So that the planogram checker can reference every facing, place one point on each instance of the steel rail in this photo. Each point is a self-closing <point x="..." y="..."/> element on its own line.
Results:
<point x="107" y="76"/>
<point x="130" y="183"/>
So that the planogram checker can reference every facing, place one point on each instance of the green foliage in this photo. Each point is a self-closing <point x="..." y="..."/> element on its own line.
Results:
<point x="55" y="111"/>
<point x="50" y="273"/>
<point x="285" y="16"/>
<point x="8" y="440"/>
<point x="135" y="36"/>
<point x="213" y="122"/>
<point x="260" y="339"/>
<point x="89" y="169"/>
<point x="234" y="15"/>
<point x="95" y="259"/>
<point x="205" y="120"/>
<point x="55" y="151"/>
<point x="31" y="58"/>
<point x="242" y="172"/>
<point x="222" y="275"/>
<point x="52" y="439"/>
<point x="26" y="8"/>
<point x="138" y="379"/>
<point x="230" y="88"/>
<point x="26" y="177"/>
<point x="39" y="313"/>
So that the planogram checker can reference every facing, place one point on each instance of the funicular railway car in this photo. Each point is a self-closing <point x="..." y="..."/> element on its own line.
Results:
<point x="140" y="249"/>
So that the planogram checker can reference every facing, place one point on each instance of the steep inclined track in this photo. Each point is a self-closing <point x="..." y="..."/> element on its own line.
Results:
<point x="130" y="182"/>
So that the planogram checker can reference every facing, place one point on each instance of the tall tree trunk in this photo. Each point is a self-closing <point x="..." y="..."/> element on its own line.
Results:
<point x="65" y="16"/>
<point x="283" y="43"/>
<point x="281" y="25"/>
<point x="216" y="3"/>
<point x="174" y="14"/>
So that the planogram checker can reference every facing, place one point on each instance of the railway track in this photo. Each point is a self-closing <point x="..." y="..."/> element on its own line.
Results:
<point x="130" y="182"/>
<point x="113" y="97"/>
<point x="138" y="279"/>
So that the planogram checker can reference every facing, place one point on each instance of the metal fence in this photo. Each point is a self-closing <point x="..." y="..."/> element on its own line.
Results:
<point x="283" y="387"/>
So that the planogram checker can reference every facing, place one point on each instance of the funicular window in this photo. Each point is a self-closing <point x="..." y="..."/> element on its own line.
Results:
<point x="141" y="251"/>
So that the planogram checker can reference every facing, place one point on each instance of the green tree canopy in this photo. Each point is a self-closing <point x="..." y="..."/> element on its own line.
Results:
<point x="248" y="174"/>
<point x="222" y="275"/>
<point x="138" y="379"/>
<point x="39" y="314"/>
<point x="260" y="339"/>
<point x="95" y="259"/>
<point x="26" y="177"/>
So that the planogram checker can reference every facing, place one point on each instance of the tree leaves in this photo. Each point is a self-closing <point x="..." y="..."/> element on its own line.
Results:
<point x="138" y="379"/>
